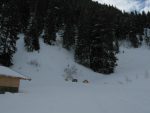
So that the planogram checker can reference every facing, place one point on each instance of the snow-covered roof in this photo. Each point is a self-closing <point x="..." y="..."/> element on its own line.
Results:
<point x="5" y="71"/>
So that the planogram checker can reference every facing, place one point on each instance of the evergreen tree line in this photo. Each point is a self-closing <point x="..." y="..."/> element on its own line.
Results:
<point x="91" y="29"/>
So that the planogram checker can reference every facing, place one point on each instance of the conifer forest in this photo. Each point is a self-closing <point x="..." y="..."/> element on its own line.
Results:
<point x="92" y="30"/>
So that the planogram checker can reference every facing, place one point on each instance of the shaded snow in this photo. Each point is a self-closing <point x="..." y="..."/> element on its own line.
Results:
<point x="125" y="91"/>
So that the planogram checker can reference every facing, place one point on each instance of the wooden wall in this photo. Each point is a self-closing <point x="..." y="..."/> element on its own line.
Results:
<point x="9" y="82"/>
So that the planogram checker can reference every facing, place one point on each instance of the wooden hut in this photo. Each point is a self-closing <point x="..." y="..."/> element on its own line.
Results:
<point x="10" y="80"/>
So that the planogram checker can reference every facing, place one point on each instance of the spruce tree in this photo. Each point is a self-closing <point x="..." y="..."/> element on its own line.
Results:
<point x="24" y="14"/>
<point x="32" y="32"/>
<point x="82" y="49"/>
<point x="69" y="36"/>
<point x="50" y="22"/>
<point x="102" y="56"/>
<point x="8" y="31"/>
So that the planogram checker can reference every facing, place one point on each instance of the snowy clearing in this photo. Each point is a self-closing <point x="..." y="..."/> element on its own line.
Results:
<point x="125" y="91"/>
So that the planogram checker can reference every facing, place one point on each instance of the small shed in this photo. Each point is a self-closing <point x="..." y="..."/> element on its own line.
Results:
<point x="10" y="80"/>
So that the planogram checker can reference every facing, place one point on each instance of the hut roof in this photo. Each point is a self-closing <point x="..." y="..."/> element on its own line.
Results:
<point x="5" y="71"/>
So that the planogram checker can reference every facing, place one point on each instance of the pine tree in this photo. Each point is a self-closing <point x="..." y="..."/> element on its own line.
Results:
<point x="31" y="36"/>
<point x="133" y="31"/>
<point x="8" y="31"/>
<point x="69" y="36"/>
<point x="95" y="48"/>
<point x="24" y="14"/>
<point x="82" y="49"/>
<point x="50" y="22"/>
<point x="102" y="56"/>
<point x="32" y="32"/>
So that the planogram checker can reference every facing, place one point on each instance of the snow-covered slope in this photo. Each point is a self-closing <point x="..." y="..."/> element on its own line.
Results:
<point x="125" y="91"/>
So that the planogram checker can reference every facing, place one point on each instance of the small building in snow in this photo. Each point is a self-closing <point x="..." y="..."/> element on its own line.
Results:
<point x="10" y="80"/>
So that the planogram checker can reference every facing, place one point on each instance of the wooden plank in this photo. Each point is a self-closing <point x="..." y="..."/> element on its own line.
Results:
<point x="9" y="82"/>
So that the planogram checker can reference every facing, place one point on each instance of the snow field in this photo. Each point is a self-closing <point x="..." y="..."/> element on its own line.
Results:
<point x="125" y="91"/>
